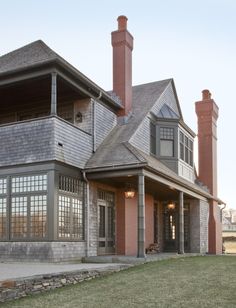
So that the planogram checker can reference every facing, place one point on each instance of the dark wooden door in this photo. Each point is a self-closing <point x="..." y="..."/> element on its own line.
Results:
<point x="106" y="224"/>
<point x="170" y="222"/>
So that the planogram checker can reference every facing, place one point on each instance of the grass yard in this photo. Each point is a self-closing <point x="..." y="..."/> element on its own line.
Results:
<point x="185" y="282"/>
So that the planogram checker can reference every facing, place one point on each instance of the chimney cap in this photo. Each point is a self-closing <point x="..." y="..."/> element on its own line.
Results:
<point x="206" y="94"/>
<point x="122" y="22"/>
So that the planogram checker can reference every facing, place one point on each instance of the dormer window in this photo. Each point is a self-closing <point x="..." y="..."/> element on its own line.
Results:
<point x="166" y="141"/>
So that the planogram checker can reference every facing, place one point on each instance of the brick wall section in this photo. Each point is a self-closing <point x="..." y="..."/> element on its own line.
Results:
<point x="42" y="251"/>
<point x="199" y="212"/>
<point x="105" y="122"/>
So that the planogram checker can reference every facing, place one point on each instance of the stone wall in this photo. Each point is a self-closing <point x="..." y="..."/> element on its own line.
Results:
<point x="199" y="212"/>
<point x="14" y="289"/>
<point x="42" y="251"/>
<point x="93" y="219"/>
<point x="204" y="216"/>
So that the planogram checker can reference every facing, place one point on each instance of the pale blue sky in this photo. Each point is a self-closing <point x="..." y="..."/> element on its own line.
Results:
<point x="193" y="42"/>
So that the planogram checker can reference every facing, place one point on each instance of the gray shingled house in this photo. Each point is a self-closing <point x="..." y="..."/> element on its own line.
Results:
<point x="85" y="172"/>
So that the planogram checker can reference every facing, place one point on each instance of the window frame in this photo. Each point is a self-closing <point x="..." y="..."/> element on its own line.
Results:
<point x="28" y="194"/>
<point x="186" y="145"/>
<point x="170" y="137"/>
<point x="11" y="195"/>
<point x="153" y="138"/>
<point x="74" y="194"/>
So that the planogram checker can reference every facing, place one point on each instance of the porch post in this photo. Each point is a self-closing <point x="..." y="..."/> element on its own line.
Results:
<point x="181" y="222"/>
<point x="54" y="93"/>
<point x="141" y="217"/>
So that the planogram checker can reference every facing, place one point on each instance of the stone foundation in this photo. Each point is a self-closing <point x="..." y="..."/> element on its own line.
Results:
<point x="42" y="251"/>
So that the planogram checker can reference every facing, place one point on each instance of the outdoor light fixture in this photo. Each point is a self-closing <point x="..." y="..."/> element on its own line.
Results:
<point x="129" y="192"/>
<point x="171" y="205"/>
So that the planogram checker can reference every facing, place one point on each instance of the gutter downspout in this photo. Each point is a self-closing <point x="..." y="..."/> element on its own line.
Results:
<point x="88" y="213"/>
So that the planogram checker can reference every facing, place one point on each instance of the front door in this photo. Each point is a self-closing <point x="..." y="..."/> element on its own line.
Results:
<point x="170" y="229"/>
<point x="171" y="221"/>
<point x="106" y="223"/>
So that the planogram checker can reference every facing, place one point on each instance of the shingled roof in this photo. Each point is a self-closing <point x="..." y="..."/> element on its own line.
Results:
<point x="144" y="97"/>
<point x="32" y="54"/>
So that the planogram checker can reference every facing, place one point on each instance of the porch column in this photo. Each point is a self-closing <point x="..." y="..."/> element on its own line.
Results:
<point x="54" y="93"/>
<point x="181" y="222"/>
<point x="141" y="217"/>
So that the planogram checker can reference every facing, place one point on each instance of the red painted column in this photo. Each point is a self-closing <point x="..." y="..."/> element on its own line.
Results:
<point x="207" y="113"/>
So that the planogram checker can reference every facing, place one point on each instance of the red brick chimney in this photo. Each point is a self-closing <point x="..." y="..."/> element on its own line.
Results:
<point x="207" y="113"/>
<point x="122" y="43"/>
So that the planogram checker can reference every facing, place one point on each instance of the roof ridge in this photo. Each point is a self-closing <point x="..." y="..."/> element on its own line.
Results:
<point x="47" y="49"/>
<point x="153" y="82"/>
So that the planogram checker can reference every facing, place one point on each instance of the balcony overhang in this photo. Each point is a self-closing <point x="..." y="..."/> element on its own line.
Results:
<point x="74" y="79"/>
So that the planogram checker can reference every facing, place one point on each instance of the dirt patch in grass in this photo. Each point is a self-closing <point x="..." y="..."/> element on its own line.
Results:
<point x="184" y="282"/>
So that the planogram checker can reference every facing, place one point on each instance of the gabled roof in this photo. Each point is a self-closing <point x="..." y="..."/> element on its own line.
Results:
<point x="117" y="151"/>
<point x="167" y="113"/>
<point x="144" y="97"/>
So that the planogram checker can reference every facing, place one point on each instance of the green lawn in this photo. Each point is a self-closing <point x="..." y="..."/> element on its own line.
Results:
<point x="184" y="282"/>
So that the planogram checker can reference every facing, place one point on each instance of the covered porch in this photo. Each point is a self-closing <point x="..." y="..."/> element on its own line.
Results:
<point x="160" y="212"/>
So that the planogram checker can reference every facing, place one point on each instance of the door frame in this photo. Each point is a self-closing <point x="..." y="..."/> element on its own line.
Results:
<point x="106" y="199"/>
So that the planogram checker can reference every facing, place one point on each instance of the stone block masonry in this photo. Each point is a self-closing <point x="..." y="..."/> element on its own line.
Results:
<point x="22" y="287"/>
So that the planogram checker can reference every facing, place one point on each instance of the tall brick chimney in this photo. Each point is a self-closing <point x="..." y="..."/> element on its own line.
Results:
<point x="122" y="43"/>
<point x="207" y="113"/>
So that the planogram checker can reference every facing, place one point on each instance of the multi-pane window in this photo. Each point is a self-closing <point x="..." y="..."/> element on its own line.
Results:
<point x="28" y="207"/>
<point x="166" y="141"/>
<point x="186" y="148"/>
<point x="153" y="138"/>
<point x="70" y="208"/>
<point x="19" y="225"/>
<point x="3" y="186"/>
<point x="69" y="184"/>
<point x="38" y="215"/>
<point x="64" y="216"/>
<point x="29" y="183"/>
<point x="3" y="208"/>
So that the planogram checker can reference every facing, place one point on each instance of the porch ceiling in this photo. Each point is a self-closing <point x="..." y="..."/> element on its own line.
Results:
<point x="32" y="90"/>
<point x="159" y="191"/>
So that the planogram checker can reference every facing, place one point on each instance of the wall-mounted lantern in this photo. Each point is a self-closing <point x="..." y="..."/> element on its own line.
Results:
<point x="171" y="205"/>
<point x="129" y="192"/>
